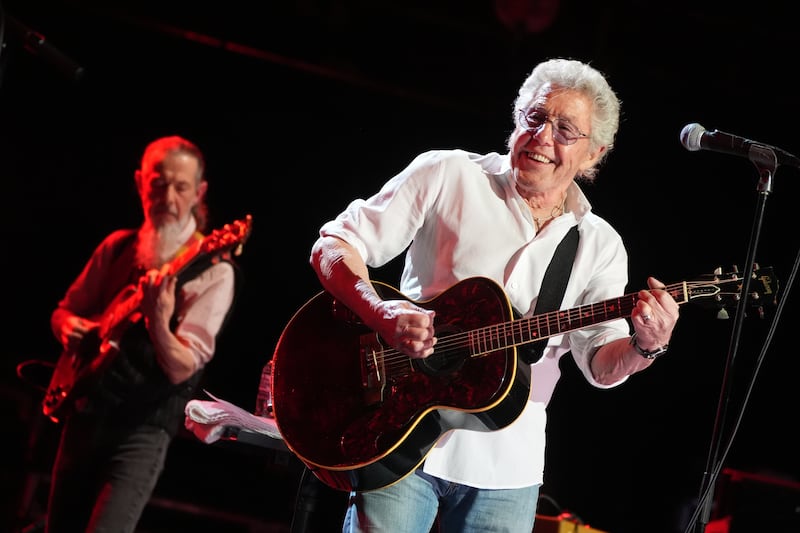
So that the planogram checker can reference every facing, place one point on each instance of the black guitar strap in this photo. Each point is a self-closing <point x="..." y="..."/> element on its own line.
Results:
<point x="553" y="286"/>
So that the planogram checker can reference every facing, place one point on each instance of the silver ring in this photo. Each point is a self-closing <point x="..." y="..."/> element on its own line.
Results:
<point x="646" y="318"/>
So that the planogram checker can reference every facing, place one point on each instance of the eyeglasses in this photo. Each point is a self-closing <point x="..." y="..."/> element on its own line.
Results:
<point x="564" y="131"/>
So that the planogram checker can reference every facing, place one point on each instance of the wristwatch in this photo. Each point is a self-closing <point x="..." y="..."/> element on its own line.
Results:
<point x="647" y="354"/>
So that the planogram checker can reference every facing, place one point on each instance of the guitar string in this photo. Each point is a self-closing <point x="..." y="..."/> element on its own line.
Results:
<point x="491" y="338"/>
<point x="394" y="361"/>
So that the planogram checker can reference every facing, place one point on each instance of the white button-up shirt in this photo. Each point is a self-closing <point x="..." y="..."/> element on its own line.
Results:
<point x="459" y="215"/>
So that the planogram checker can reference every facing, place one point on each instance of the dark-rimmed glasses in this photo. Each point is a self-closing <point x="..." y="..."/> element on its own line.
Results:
<point x="564" y="131"/>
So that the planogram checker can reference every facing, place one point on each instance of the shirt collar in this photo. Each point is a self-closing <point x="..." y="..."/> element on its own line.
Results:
<point x="500" y="165"/>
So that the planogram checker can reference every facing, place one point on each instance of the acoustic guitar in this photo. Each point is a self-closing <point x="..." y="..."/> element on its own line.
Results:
<point x="361" y="415"/>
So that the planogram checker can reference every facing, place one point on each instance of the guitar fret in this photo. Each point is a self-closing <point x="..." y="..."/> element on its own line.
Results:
<point x="522" y="331"/>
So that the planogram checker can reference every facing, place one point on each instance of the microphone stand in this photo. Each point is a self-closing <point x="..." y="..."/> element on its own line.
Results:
<point x="36" y="44"/>
<point x="766" y="162"/>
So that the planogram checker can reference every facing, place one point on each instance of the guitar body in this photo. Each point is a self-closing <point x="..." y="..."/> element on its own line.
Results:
<point x="362" y="416"/>
<point x="78" y="370"/>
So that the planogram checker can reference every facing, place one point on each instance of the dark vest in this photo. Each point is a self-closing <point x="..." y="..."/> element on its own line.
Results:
<point x="134" y="389"/>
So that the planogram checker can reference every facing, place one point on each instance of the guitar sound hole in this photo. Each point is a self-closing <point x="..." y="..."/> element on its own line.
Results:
<point x="441" y="363"/>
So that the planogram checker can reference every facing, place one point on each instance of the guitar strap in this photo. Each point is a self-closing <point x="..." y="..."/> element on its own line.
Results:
<point x="554" y="285"/>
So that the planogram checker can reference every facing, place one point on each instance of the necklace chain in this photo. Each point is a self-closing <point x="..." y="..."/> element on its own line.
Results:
<point x="556" y="211"/>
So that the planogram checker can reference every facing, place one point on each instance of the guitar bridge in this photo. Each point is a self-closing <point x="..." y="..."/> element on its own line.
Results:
<point x="373" y="368"/>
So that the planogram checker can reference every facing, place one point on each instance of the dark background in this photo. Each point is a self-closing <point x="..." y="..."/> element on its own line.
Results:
<point x="302" y="106"/>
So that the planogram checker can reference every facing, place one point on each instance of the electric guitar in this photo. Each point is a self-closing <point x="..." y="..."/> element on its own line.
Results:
<point x="77" y="369"/>
<point x="361" y="415"/>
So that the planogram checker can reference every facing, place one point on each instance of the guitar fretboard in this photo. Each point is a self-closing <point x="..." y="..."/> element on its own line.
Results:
<point x="522" y="331"/>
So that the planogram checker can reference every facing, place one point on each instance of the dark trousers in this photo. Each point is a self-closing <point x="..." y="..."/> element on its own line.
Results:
<point x="104" y="475"/>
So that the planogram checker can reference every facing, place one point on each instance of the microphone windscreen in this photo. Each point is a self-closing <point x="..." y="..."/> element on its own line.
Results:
<point x="691" y="135"/>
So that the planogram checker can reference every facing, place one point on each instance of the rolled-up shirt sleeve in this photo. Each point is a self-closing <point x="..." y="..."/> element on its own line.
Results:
<point x="204" y="303"/>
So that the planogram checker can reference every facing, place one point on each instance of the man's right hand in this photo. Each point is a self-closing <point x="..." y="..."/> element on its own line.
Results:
<point x="74" y="329"/>
<point x="408" y="327"/>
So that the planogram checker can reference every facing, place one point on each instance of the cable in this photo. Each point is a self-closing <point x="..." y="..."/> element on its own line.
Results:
<point x="28" y="378"/>
<point x="561" y="512"/>
<point x="551" y="501"/>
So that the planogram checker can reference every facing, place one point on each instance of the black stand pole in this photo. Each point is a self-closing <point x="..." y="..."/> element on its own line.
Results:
<point x="36" y="44"/>
<point x="766" y="167"/>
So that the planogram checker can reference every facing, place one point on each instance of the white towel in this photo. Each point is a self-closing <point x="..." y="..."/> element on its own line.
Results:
<point x="209" y="419"/>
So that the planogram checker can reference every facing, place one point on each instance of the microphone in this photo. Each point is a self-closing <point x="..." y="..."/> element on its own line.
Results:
<point x="695" y="137"/>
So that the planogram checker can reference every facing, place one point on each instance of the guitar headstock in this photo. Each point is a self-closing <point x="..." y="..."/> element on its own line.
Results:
<point x="723" y="291"/>
<point x="230" y="237"/>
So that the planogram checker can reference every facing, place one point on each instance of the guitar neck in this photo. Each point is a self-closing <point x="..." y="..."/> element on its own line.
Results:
<point x="121" y="310"/>
<point x="538" y="327"/>
<point x="129" y="300"/>
<point x="187" y="256"/>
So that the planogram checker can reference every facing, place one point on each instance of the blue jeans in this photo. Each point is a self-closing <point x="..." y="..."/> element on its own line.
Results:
<point x="412" y="505"/>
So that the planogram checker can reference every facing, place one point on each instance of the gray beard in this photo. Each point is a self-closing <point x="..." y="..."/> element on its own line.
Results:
<point x="156" y="246"/>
